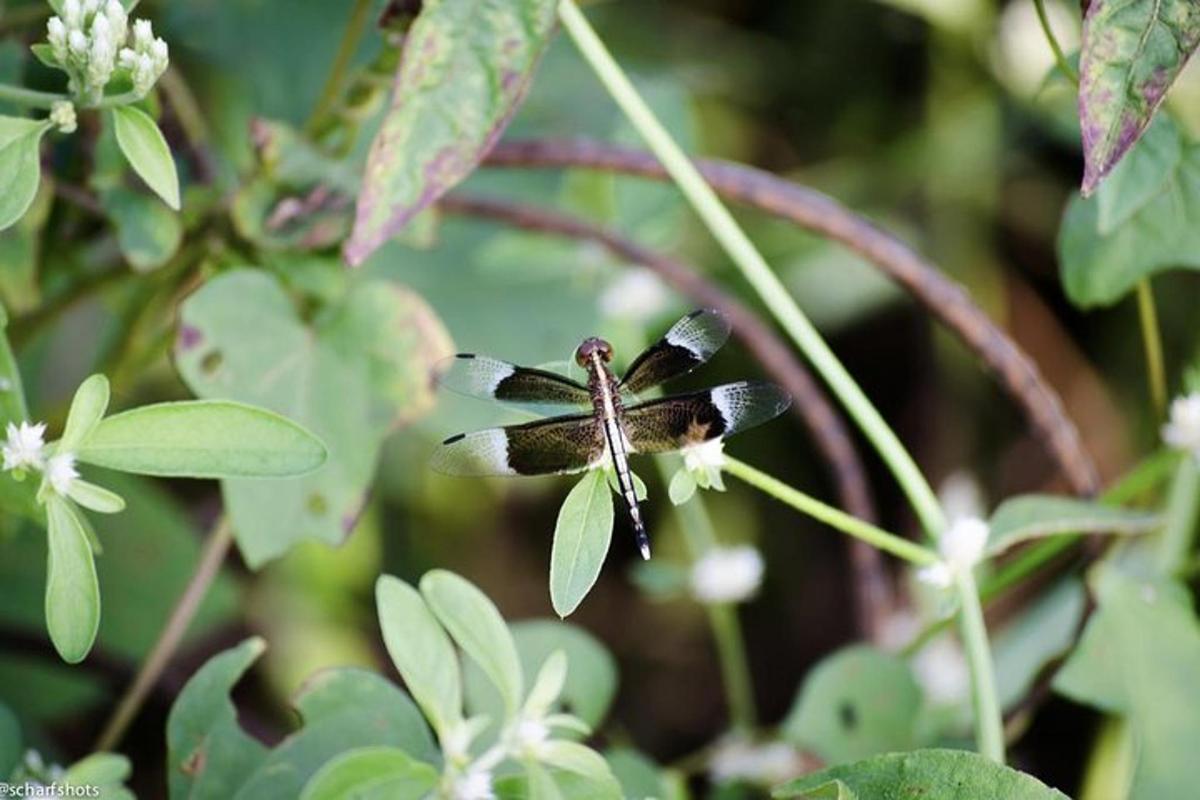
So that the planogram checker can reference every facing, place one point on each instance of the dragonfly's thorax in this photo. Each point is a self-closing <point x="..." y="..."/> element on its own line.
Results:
<point x="606" y="398"/>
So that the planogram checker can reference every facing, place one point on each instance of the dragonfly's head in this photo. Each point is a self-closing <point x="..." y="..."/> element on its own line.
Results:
<point x="592" y="347"/>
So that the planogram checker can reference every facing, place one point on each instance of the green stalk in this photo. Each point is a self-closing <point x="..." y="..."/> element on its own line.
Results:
<point x="750" y="262"/>
<point x="1156" y="373"/>
<point x="699" y="537"/>
<point x="853" y="526"/>
<point x="30" y="98"/>
<point x="1183" y="507"/>
<point x="1059" y="58"/>
<point x="989" y="724"/>
<point x="359" y="16"/>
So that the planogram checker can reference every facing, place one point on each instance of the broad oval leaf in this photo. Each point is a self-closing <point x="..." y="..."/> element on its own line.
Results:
<point x="87" y="409"/>
<point x="928" y="774"/>
<point x="203" y="439"/>
<point x="1131" y="54"/>
<point x="1034" y="516"/>
<point x="464" y="69"/>
<point x="72" y="590"/>
<point x="584" y="762"/>
<point x="371" y="773"/>
<point x="20" y="166"/>
<point x="473" y="621"/>
<point x="147" y="152"/>
<point x="541" y="785"/>
<point x="421" y="651"/>
<point x="581" y="539"/>
<point x="147" y="233"/>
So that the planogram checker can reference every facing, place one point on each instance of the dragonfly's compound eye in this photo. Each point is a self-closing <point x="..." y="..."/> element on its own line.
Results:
<point x="591" y="348"/>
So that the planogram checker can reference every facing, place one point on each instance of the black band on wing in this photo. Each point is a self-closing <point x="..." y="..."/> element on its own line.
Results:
<point x="659" y="426"/>
<point x="544" y="447"/>
<point x="491" y="378"/>
<point x="689" y="343"/>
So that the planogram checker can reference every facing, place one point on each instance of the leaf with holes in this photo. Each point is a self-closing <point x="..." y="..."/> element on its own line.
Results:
<point x="1132" y="52"/>
<point x="355" y="373"/>
<point x="464" y="69"/>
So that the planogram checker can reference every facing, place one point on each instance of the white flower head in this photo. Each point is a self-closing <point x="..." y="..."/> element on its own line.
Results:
<point x="61" y="472"/>
<point x="118" y="20"/>
<point x="961" y="548"/>
<point x="961" y="496"/>
<point x="767" y="764"/>
<point x="72" y="14"/>
<point x="56" y="36"/>
<point x="90" y="7"/>
<point x="637" y="294"/>
<point x="705" y="461"/>
<point x="727" y="574"/>
<point x="941" y="670"/>
<point x="530" y="736"/>
<point x="78" y="42"/>
<point x="62" y="114"/>
<point x="475" y="784"/>
<point x="143" y="34"/>
<point x="24" y="445"/>
<point x="1182" y="430"/>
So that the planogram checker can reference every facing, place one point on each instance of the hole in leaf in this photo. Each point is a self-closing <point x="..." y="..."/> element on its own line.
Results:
<point x="849" y="716"/>
<point x="211" y="362"/>
<point x="316" y="504"/>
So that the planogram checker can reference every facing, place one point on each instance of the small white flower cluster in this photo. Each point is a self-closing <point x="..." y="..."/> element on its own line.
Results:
<point x="92" y="40"/>
<point x="961" y="548"/>
<point x="727" y="574"/>
<point x="705" y="461"/>
<point x="24" y="449"/>
<point x="1182" y="430"/>
<point x="765" y="763"/>
<point x="637" y="294"/>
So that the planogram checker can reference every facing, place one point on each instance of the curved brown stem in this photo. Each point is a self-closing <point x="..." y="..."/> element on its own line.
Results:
<point x="777" y="359"/>
<point x="823" y="215"/>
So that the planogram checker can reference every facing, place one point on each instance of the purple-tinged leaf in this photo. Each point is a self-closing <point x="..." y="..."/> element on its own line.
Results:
<point x="464" y="70"/>
<point x="1132" y="52"/>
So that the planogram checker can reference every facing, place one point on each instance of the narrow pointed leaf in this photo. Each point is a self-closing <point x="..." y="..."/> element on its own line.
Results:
<point x="97" y="498"/>
<point x="147" y="152"/>
<point x="464" y="69"/>
<point x="1034" y="516"/>
<point x="203" y="439"/>
<point x="20" y="166"/>
<point x="475" y="624"/>
<point x="72" y="590"/>
<point x="581" y="540"/>
<point x="1132" y="52"/>
<point x="87" y="409"/>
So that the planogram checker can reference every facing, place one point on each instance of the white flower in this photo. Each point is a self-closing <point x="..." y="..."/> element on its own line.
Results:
<point x="700" y="457"/>
<point x="769" y="763"/>
<point x="61" y="472"/>
<point x="90" y="7"/>
<point x="62" y="114"/>
<point x="117" y="20"/>
<point x="143" y="34"/>
<point x="78" y="42"/>
<point x="1182" y="431"/>
<point x="160" y="54"/>
<point x="727" y="574"/>
<point x="475" y="784"/>
<point x="56" y="35"/>
<point x="72" y="14"/>
<point x="961" y="496"/>
<point x="637" y="294"/>
<point x="941" y="669"/>
<point x="24" y="445"/>
<point x="961" y="548"/>
<point x="530" y="735"/>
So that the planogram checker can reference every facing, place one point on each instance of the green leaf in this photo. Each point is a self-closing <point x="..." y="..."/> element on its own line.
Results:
<point x="474" y="623"/>
<point x="1140" y="657"/>
<point x="147" y="152"/>
<point x="1131" y="54"/>
<point x="834" y="790"/>
<point x="371" y="773"/>
<point x="203" y="439"/>
<point x="682" y="487"/>
<point x="22" y="248"/>
<point x="147" y="232"/>
<point x="421" y="651"/>
<point x="12" y="390"/>
<point x="548" y="684"/>
<point x="356" y="373"/>
<point x="1103" y="255"/>
<point x="11" y="741"/>
<point x="927" y="774"/>
<point x="580" y="760"/>
<point x="341" y="709"/>
<point x="463" y="71"/>
<point x="107" y="772"/>
<point x="20" y="166"/>
<point x="97" y="498"/>
<point x="591" y="681"/>
<point x="581" y="539"/>
<point x="72" y="590"/>
<point x="45" y="54"/>
<point x="1043" y="632"/>
<point x="208" y="754"/>
<point x="640" y="778"/>
<point x="541" y="785"/>
<point x="87" y="409"/>
<point x="1034" y="516"/>
<point x="855" y="703"/>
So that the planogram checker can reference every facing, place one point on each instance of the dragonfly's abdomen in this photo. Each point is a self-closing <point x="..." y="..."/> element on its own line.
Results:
<point x="606" y="402"/>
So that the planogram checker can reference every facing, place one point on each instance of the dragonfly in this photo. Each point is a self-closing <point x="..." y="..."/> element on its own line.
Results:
<point x="615" y="423"/>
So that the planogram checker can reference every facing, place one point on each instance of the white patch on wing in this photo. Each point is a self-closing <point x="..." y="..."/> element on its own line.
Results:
<point x="480" y="453"/>
<point x="745" y="404"/>
<point x="701" y="334"/>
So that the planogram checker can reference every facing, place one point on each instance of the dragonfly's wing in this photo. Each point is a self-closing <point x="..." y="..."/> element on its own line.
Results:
<point x="659" y="426"/>
<point x="493" y="379"/>
<point x="544" y="447"/>
<point x="688" y="344"/>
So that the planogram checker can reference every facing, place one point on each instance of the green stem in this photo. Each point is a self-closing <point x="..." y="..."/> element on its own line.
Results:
<point x="359" y="15"/>
<point x="741" y="250"/>
<point x="989" y="725"/>
<point x="699" y="537"/>
<point x="1183" y="507"/>
<point x="876" y="537"/>
<point x="30" y="98"/>
<point x="1059" y="58"/>
<point x="1156" y="373"/>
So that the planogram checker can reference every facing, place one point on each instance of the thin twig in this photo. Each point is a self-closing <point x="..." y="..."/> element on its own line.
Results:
<point x="826" y="427"/>
<point x="211" y="558"/>
<point x="818" y="213"/>
<point x="1156" y="373"/>
<point x="357" y="23"/>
